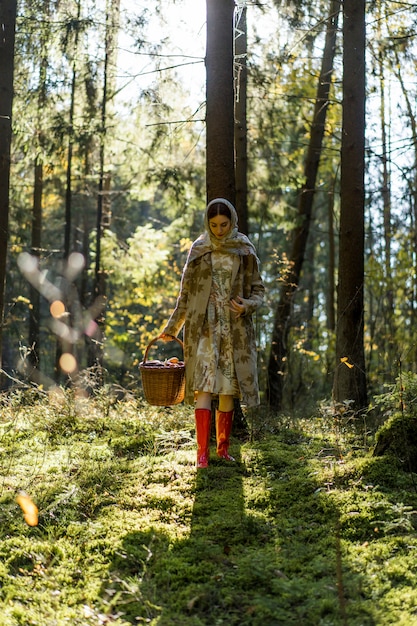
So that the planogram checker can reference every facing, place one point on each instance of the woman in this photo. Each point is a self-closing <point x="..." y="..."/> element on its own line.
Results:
<point x="220" y="289"/>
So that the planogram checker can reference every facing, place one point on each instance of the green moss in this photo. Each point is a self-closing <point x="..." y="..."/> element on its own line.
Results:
<point x="298" y="531"/>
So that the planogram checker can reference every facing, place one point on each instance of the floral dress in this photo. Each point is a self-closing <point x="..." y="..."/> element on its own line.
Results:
<point x="215" y="372"/>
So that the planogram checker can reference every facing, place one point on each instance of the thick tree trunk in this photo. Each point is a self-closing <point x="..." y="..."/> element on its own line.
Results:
<point x="220" y="122"/>
<point x="8" y="24"/>
<point x="220" y="154"/>
<point x="350" y="375"/>
<point x="278" y="354"/>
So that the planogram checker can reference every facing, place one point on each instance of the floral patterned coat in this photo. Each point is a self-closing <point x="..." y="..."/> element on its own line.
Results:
<point x="190" y="312"/>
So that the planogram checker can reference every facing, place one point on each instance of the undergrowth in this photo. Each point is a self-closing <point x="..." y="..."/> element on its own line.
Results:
<point x="307" y="527"/>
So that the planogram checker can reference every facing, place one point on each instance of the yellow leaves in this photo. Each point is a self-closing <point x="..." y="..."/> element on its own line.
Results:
<point x="185" y="244"/>
<point x="15" y="248"/>
<point x="345" y="360"/>
<point x="22" y="299"/>
<point x="29" y="508"/>
<point x="310" y="353"/>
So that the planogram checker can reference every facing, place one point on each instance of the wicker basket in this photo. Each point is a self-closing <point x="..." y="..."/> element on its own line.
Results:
<point x="163" y="385"/>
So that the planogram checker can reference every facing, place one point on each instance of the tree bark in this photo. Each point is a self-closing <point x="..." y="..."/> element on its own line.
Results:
<point x="350" y="376"/>
<point x="7" y="38"/>
<point x="278" y="354"/>
<point x="412" y="185"/>
<point x="37" y="209"/>
<point x="103" y="198"/>
<point x="331" y="266"/>
<point x="220" y="157"/>
<point x="70" y="150"/>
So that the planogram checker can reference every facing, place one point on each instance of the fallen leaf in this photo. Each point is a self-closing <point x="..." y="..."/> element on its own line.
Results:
<point x="29" y="508"/>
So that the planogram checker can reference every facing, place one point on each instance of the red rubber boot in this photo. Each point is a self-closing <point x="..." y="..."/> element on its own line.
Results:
<point x="223" y="429"/>
<point x="202" y="426"/>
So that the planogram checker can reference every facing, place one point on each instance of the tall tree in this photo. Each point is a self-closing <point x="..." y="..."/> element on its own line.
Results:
<point x="220" y="154"/>
<point x="278" y="353"/>
<point x="103" y="198"/>
<point x="350" y="376"/>
<point x="241" y="127"/>
<point x="7" y="38"/>
<point x="331" y="266"/>
<point x="73" y="24"/>
<point x="36" y="233"/>
<point x="409" y="102"/>
<point x="72" y="27"/>
<point x="385" y="302"/>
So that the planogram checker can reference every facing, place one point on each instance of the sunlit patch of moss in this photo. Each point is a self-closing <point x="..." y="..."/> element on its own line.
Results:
<point x="303" y="528"/>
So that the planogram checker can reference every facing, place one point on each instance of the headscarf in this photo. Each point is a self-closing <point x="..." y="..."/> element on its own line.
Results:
<point x="233" y="243"/>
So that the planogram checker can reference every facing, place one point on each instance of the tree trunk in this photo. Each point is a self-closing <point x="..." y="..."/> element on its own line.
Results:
<point x="387" y="343"/>
<point x="220" y="157"/>
<point x="350" y="376"/>
<point x="412" y="185"/>
<point x="220" y="121"/>
<point x="35" y="301"/>
<point x="36" y="234"/>
<point x="331" y="266"/>
<point x="103" y="197"/>
<point x="278" y="354"/>
<point x="68" y="188"/>
<point x="8" y="24"/>
<point x="241" y="143"/>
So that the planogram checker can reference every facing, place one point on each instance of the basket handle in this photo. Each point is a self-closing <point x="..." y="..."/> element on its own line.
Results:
<point x="155" y="340"/>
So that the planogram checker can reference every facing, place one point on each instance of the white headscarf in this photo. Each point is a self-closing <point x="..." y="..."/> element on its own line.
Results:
<point x="233" y="243"/>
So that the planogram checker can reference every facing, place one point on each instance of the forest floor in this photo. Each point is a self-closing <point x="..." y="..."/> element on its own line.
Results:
<point x="306" y="528"/>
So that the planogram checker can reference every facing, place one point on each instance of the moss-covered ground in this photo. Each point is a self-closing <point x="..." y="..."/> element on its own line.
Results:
<point x="306" y="528"/>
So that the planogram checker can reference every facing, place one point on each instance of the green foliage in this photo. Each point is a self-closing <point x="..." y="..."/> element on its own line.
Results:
<point x="400" y="395"/>
<point x="143" y="284"/>
<point x="397" y="436"/>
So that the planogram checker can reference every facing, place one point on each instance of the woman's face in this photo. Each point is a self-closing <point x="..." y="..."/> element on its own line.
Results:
<point x="220" y="226"/>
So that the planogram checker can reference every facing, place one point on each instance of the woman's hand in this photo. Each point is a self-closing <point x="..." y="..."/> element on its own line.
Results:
<point x="237" y="306"/>
<point x="164" y="337"/>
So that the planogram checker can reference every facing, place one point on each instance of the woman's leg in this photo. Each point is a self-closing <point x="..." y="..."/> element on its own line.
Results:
<point x="224" y="419"/>
<point x="203" y="400"/>
<point x="226" y="403"/>
<point x="202" y="427"/>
